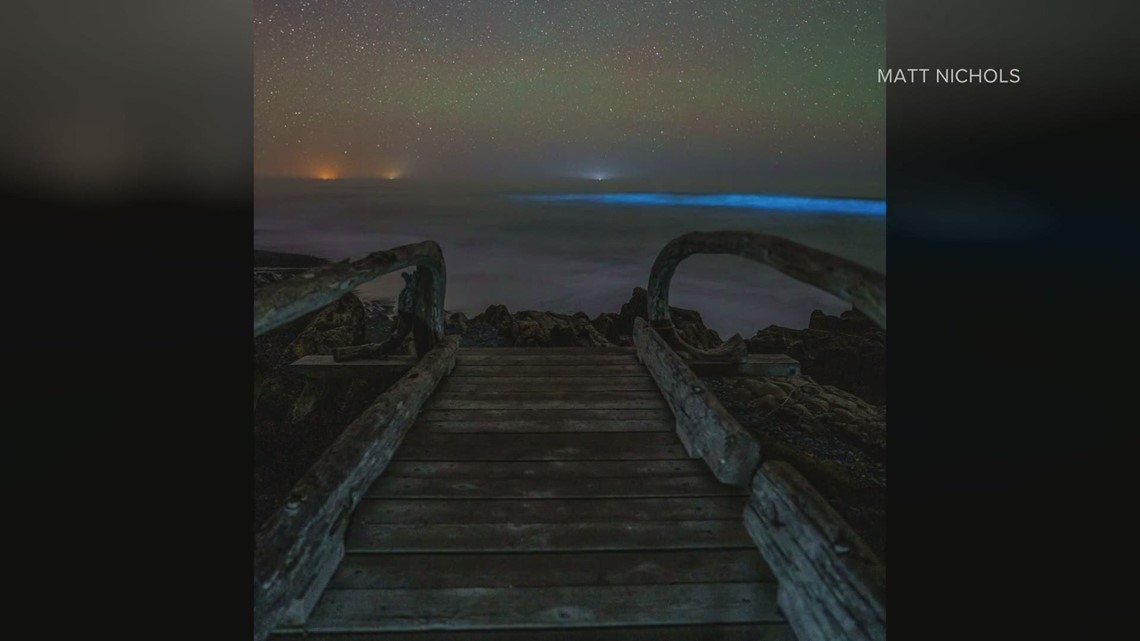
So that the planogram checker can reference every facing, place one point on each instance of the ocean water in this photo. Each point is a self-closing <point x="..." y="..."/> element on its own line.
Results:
<point x="565" y="254"/>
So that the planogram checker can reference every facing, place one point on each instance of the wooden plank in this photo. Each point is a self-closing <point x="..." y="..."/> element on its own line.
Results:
<point x="544" y="537"/>
<point x="834" y="584"/>
<point x="663" y="486"/>
<point x="775" y="365"/>
<point x="546" y="510"/>
<point x="571" y="606"/>
<point x="468" y="358"/>
<point x="660" y="414"/>
<point x="705" y="427"/>
<point x="641" y="383"/>
<point x="549" y="400"/>
<point x="553" y="425"/>
<point x="593" y="371"/>
<point x="294" y="548"/>
<point x="425" y="446"/>
<point x="601" y="397"/>
<point x="376" y="571"/>
<point x="543" y="469"/>
<point x="516" y="351"/>
<point x="323" y="366"/>
<point x="717" y="632"/>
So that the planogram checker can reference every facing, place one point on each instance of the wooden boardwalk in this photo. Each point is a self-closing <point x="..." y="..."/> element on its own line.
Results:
<point x="543" y="493"/>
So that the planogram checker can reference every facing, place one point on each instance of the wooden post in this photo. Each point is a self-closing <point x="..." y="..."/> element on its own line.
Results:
<point x="297" y="547"/>
<point x="705" y="427"/>
<point x="832" y="586"/>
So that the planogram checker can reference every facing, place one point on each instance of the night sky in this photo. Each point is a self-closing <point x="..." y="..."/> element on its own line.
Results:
<point x="721" y="91"/>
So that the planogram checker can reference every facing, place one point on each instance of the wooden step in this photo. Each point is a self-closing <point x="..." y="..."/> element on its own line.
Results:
<point x="569" y="383"/>
<point x="719" y="632"/>
<point x="424" y="446"/>
<point x="564" y="488"/>
<point x="567" y="606"/>
<point x="544" y="469"/>
<point x="640" y="567"/>
<point x="585" y="369"/>
<point x="475" y="358"/>
<point x="555" y="415"/>
<point x="461" y="510"/>
<point x="546" y="400"/>
<point x="545" y="537"/>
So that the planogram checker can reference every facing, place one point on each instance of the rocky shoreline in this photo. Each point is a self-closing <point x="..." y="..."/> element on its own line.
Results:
<point x="829" y="422"/>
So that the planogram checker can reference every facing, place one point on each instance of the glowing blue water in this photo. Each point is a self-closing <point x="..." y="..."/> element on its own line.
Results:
<point x="858" y="206"/>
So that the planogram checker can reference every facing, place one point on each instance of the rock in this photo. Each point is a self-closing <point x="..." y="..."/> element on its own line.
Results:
<point x="761" y="388"/>
<point x="456" y="324"/>
<point x="848" y="351"/>
<point x="688" y="322"/>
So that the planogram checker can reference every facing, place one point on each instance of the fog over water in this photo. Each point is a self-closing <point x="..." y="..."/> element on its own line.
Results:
<point x="565" y="255"/>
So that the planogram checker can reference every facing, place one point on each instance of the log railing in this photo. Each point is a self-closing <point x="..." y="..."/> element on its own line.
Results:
<point x="299" y="548"/>
<point x="831" y="586"/>
<point x="279" y="303"/>
<point x="864" y="288"/>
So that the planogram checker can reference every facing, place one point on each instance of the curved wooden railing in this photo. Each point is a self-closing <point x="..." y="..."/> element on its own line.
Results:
<point x="279" y="303"/>
<point x="864" y="288"/>
<point x="831" y="585"/>
<point x="299" y="548"/>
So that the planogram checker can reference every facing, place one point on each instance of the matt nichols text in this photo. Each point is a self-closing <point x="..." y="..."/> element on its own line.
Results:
<point x="950" y="76"/>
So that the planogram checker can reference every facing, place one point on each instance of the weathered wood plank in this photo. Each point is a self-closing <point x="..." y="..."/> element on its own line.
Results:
<point x="549" y="400"/>
<point x="296" y="544"/>
<point x="570" y="383"/>
<point x="592" y="371"/>
<point x="572" y="606"/>
<point x="544" y="469"/>
<point x="835" y="584"/>
<point x="377" y="571"/>
<point x="717" y="632"/>
<point x="661" y="414"/>
<point x="664" y="486"/>
<point x="544" y="537"/>
<point x="424" y="446"/>
<point x="705" y="427"/>
<point x="475" y="358"/>
<point x="553" y="425"/>
<point x="323" y="366"/>
<point x="776" y="365"/>
<point x="279" y="303"/>
<point x="547" y="510"/>
<point x="522" y="351"/>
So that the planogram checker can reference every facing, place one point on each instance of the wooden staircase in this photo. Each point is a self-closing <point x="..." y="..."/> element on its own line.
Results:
<point x="543" y="493"/>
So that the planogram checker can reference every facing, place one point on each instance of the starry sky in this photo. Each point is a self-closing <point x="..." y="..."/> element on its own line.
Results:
<point x="723" y="92"/>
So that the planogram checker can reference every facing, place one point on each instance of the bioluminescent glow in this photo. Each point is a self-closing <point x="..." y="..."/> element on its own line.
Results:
<point x="865" y="207"/>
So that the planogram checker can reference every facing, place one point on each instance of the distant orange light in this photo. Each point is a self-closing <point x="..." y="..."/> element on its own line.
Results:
<point x="392" y="175"/>
<point x="326" y="175"/>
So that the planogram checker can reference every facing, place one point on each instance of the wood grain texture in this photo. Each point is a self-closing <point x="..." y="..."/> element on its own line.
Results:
<point x="570" y="383"/>
<point x="323" y="366"/>
<point x="508" y="371"/>
<point x="565" y="606"/>
<point x="549" y="400"/>
<point x="564" y="488"/>
<point x="473" y="357"/>
<point x="544" y="469"/>
<point x="543" y="426"/>
<point x="660" y="414"/>
<point x="718" y="632"/>
<point x="423" y="446"/>
<point x="835" y="586"/>
<point x="638" y="567"/>
<point x="295" y="544"/>
<point x="704" y="426"/>
<point x="547" y="510"/>
<point x="544" y="537"/>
